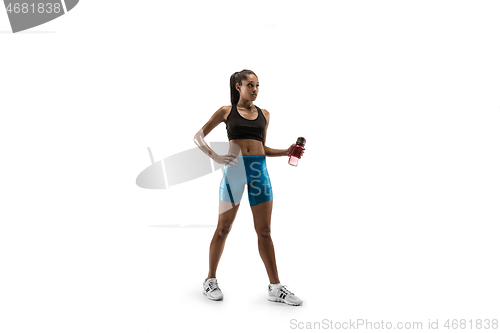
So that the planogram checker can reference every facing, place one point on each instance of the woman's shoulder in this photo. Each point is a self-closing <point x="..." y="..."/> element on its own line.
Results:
<point x="225" y="110"/>
<point x="265" y="113"/>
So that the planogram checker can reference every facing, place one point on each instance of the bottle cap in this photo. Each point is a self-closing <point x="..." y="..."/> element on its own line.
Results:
<point x="301" y="141"/>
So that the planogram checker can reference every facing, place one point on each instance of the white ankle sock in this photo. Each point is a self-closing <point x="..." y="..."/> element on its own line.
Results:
<point x="273" y="286"/>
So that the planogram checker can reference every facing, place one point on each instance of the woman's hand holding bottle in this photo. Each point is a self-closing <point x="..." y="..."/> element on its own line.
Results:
<point x="290" y="150"/>
<point x="296" y="151"/>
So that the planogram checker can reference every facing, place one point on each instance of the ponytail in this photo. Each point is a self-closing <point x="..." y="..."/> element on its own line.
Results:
<point x="237" y="77"/>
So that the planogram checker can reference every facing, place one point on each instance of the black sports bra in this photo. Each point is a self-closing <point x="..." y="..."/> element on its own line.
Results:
<point x="241" y="128"/>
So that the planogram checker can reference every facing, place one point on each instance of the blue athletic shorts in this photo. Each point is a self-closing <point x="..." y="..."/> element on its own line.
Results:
<point x="252" y="171"/>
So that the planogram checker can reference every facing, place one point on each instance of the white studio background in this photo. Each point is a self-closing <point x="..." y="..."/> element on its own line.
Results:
<point x="391" y="215"/>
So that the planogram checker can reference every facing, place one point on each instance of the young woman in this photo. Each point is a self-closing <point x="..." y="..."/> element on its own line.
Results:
<point x="245" y="164"/>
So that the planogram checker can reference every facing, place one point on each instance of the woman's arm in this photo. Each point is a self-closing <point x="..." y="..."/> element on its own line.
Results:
<point x="271" y="152"/>
<point x="275" y="152"/>
<point x="199" y="138"/>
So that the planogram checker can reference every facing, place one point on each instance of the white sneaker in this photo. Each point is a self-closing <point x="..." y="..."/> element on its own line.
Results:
<point x="212" y="290"/>
<point x="283" y="295"/>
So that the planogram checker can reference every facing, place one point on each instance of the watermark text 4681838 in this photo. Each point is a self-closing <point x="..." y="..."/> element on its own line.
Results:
<point x="26" y="14"/>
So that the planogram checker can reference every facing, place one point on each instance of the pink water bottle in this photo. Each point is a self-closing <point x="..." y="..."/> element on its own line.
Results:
<point x="296" y="151"/>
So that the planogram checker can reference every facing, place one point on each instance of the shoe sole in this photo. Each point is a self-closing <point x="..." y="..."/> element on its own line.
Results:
<point x="280" y="300"/>
<point x="212" y="299"/>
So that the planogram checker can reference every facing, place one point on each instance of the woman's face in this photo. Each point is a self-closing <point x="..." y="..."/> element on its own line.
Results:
<point x="249" y="88"/>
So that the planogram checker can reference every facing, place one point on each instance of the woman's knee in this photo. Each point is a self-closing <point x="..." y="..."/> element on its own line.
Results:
<point x="224" y="229"/>
<point x="263" y="231"/>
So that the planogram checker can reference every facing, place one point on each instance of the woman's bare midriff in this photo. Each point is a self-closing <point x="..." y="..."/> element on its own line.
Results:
<point x="247" y="147"/>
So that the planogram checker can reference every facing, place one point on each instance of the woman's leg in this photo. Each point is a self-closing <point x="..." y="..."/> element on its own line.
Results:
<point x="262" y="222"/>
<point x="227" y="214"/>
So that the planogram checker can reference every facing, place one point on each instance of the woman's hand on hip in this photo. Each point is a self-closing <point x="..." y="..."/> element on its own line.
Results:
<point x="229" y="159"/>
